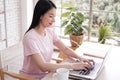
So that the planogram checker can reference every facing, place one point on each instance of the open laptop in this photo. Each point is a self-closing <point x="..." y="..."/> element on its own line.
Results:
<point x="99" y="64"/>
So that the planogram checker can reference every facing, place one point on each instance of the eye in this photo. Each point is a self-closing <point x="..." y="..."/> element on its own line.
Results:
<point x="51" y="16"/>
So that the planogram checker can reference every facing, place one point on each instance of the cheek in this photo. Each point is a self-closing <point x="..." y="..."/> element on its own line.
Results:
<point x="47" y="22"/>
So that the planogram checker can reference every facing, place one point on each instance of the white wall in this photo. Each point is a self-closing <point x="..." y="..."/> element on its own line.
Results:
<point x="27" y="12"/>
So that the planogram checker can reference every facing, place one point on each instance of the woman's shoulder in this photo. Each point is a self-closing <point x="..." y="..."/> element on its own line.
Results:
<point x="30" y="34"/>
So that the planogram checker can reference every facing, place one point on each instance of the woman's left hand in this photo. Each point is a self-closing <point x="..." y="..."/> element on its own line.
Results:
<point x="89" y="61"/>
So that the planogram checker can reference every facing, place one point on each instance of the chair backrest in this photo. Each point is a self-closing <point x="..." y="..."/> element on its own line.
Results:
<point x="9" y="56"/>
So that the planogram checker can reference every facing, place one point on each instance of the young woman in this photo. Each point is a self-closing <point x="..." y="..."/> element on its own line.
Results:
<point x="39" y="41"/>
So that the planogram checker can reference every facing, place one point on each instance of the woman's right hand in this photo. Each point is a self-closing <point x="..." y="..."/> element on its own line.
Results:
<point x="81" y="66"/>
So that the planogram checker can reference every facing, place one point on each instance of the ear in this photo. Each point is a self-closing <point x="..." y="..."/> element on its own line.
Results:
<point x="41" y="17"/>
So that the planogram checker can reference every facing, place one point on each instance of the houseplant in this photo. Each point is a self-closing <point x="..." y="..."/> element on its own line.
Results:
<point x="103" y="33"/>
<point x="72" y="21"/>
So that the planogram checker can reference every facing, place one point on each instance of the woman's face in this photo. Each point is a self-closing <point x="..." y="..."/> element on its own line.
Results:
<point x="48" y="18"/>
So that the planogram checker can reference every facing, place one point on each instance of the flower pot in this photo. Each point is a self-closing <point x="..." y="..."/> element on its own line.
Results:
<point x="102" y="41"/>
<point x="76" y="40"/>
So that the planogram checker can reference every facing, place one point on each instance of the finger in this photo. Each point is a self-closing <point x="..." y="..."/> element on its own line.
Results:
<point x="83" y="66"/>
<point x="93" y="62"/>
<point x="89" y="63"/>
<point x="87" y="66"/>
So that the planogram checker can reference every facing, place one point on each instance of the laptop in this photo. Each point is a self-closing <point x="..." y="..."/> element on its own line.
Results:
<point x="99" y="64"/>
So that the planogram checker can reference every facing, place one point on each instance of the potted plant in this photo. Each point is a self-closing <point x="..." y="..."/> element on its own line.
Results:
<point x="73" y="24"/>
<point x="103" y="33"/>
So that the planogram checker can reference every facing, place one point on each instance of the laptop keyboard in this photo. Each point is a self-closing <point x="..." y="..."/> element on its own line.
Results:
<point x="85" y="72"/>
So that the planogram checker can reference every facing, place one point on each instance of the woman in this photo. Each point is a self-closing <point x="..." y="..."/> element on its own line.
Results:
<point x="39" y="41"/>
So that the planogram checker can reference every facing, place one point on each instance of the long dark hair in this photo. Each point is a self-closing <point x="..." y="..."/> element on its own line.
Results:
<point x="42" y="6"/>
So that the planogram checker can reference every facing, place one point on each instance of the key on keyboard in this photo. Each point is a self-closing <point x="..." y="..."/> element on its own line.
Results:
<point x="84" y="72"/>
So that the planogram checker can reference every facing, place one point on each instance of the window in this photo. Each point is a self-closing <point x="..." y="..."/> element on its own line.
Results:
<point x="95" y="12"/>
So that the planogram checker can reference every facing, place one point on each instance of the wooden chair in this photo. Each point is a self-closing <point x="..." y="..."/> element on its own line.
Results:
<point x="9" y="56"/>
<point x="14" y="75"/>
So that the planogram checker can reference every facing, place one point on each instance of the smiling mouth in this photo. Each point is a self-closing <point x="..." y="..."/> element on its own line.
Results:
<point x="50" y="23"/>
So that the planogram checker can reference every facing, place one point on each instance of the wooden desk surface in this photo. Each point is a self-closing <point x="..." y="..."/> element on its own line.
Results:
<point x="111" y="69"/>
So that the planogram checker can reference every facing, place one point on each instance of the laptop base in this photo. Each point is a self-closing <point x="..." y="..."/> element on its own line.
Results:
<point x="71" y="77"/>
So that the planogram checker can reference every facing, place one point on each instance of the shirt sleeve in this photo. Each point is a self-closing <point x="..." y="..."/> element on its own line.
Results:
<point x="30" y="46"/>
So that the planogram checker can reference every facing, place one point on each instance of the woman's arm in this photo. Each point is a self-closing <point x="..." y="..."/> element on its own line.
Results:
<point x="66" y="50"/>
<point x="47" y="66"/>
<point x="69" y="52"/>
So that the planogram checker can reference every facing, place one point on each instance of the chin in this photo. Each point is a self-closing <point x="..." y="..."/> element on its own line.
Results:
<point x="50" y="26"/>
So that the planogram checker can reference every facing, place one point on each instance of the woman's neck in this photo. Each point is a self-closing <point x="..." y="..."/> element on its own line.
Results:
<point x="40" y="30"/>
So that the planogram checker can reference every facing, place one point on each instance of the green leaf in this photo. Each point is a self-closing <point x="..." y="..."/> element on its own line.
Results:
<point x="68" y="29"/>
<point x="72" y="9"/>
<point x="80" y="16"/>
<point x="64" y="23"/>
<point x="67" y="4"/>
<point x="65" y="14"/>
<point x="73" y="19"/>
<point x="104" y="31"/>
